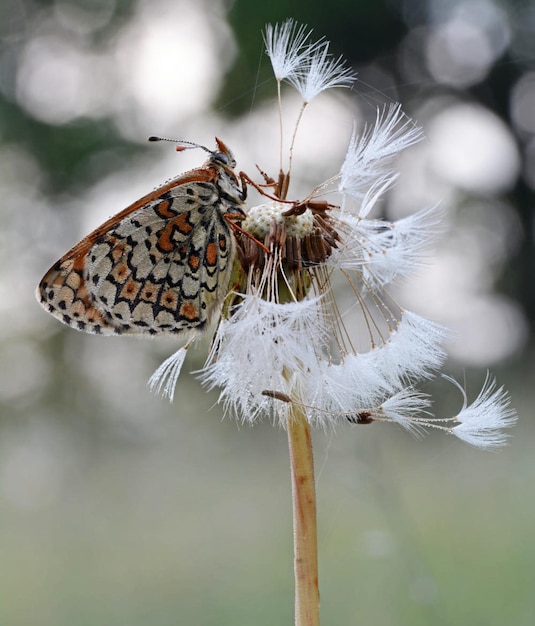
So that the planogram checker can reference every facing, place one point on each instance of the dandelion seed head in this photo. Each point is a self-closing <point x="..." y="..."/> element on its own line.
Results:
<point x="259" y="220"/>
<point x="284" y="335"/>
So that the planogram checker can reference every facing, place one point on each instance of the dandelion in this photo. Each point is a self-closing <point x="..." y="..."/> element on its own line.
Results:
<point x="285" y="348"/>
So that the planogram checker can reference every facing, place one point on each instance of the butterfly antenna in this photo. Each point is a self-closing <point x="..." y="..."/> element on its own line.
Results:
<point x="181" y="144"/>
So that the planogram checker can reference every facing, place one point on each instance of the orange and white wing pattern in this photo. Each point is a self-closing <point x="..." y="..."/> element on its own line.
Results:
<point x="160" y="266"/>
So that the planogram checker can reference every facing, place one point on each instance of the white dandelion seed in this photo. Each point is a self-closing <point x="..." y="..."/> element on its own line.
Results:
<point x="284" y="339"/>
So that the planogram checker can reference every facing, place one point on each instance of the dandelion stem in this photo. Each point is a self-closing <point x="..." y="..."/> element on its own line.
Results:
<point x="299" y="117"/>
<point x="304" y="519"/>
<point x="281" y="127"/>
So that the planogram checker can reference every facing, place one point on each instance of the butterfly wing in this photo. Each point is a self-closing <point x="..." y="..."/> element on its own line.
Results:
<point x="159" y="266"/>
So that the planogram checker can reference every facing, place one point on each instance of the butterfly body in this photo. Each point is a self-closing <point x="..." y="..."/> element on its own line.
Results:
<point x="162" y="265"/>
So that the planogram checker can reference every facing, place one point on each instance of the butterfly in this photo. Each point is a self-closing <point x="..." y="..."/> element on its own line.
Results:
<point x="162" y="265"/>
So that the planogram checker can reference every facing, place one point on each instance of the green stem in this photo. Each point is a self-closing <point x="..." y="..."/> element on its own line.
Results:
<point x="307" y="601"/>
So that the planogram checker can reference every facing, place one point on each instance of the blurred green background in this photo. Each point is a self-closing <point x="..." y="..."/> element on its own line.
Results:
<point x="117" y="508"/>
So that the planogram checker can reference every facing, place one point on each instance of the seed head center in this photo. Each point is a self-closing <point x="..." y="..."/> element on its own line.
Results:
<point x="260" y="218"/>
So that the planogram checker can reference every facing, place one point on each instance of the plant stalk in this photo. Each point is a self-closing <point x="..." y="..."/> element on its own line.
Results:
<point x="307" y="601"/>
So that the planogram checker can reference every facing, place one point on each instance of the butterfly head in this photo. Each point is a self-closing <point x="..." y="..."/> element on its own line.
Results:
<point x="223" y="155"/>
<point x="222" y="161"/>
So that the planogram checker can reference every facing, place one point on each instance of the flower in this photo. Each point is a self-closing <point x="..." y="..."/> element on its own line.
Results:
<point x="285" y="337"/>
